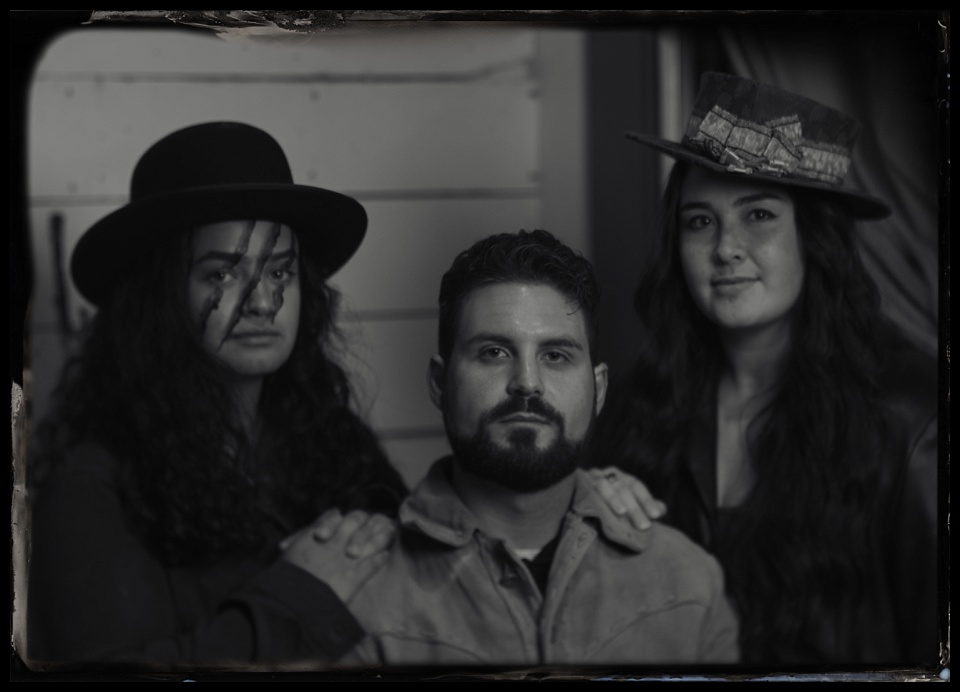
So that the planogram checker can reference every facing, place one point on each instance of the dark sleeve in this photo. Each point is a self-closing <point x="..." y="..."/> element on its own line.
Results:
<point x="913" y="534"/>
<point x="915" y="560"/>
<point x="289" y="614"/>
<point x="96" y="593"/>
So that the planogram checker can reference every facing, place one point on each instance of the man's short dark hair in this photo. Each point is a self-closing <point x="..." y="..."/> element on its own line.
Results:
<point x="530" y="257"/>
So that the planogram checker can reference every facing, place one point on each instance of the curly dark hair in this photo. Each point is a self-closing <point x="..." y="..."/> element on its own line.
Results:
<point x="143" y="388"/>
<point x="813" y="505"/>
<point x="535" y="257"/>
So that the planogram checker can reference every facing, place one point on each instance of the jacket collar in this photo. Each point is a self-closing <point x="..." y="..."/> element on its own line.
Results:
<point x="435" y="509"/>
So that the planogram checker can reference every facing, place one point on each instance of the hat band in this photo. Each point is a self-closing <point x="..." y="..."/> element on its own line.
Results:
<point x="775" y="148"/>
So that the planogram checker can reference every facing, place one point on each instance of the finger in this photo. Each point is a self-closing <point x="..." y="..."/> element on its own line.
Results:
<point x="369" y="537"/>
<point x="632" y="509"/>
<point x="600" y="473"/>
<point x="373" y="537"/>
<point x="289" y="540"/>
<point x="350" y="523"/>
<point x="326" y="526"/>
<point x="608" y="492"/>
<point x="651" y="506"/>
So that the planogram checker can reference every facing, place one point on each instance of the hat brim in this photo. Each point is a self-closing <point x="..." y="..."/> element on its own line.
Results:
<point x="329" y="226"/>
<point x="859" y="204"/>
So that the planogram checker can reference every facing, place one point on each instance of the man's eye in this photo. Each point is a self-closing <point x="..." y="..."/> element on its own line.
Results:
<point x="493" y="353"/>
<point x="555" y="357"/>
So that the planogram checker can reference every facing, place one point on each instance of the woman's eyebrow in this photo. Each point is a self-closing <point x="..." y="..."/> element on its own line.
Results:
<point x="694" y="205"/>
<point x="290" y="254"/>
<point x="235" y="257"/>
<point x="738" y="202"/>
<point x="758" y="197"/>
<point x="219" y="256"/>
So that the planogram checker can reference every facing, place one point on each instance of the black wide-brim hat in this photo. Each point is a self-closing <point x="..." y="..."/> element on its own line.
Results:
<point x="743" y="127"/>
<point x="217" y="171"/>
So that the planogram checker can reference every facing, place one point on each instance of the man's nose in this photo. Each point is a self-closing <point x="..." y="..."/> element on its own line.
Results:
<point x="526" y="378"/>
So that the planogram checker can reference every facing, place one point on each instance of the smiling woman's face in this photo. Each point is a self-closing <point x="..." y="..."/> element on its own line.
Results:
<point x="244" y="294"/>
<point x="740" y="250"/>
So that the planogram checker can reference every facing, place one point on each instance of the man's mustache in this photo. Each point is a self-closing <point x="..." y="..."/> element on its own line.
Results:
<point x="521" y="404"/>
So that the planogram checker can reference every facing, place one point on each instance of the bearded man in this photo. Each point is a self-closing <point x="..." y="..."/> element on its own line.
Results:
<point x="507" y="554"/>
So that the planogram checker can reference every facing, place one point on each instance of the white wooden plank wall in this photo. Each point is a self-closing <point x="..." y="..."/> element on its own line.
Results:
<point x="440" y="133"/>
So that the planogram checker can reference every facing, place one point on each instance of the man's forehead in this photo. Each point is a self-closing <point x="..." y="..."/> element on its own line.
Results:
<point x="521" y="310"/>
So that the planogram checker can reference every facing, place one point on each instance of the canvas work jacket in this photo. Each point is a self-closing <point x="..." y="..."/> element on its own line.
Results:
<point x="452" y="594"/>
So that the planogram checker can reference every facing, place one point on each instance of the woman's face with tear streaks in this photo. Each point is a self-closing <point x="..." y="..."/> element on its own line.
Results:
<point x="244" y="294"/>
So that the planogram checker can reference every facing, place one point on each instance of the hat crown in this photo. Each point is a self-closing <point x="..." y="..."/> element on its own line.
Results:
<point x="210" y="155"/>
<point x="763" y="104"/>
<point x="754" y="127"/>
<point x="743" y="127"/>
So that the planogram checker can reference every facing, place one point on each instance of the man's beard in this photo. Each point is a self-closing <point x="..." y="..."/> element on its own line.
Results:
<point x="520" y="466"/>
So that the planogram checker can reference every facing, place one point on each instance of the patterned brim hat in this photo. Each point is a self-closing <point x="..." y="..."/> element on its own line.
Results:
<point x="742" y="127"/>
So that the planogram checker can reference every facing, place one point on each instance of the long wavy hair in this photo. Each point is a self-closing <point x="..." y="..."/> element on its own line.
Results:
<point x="191" y="482"/>
<point x="805" y="548"/>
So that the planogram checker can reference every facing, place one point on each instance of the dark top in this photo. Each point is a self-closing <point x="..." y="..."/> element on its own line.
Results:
<point x="539" y="565"/>
<point x="894" y="620"/>
<point x="98" y="593"/>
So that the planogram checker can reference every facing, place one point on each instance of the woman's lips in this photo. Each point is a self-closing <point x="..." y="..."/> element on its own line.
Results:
<point x="254" y="338"/>
<point x="732" y="284"/>
<point x="730" y="280"/>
